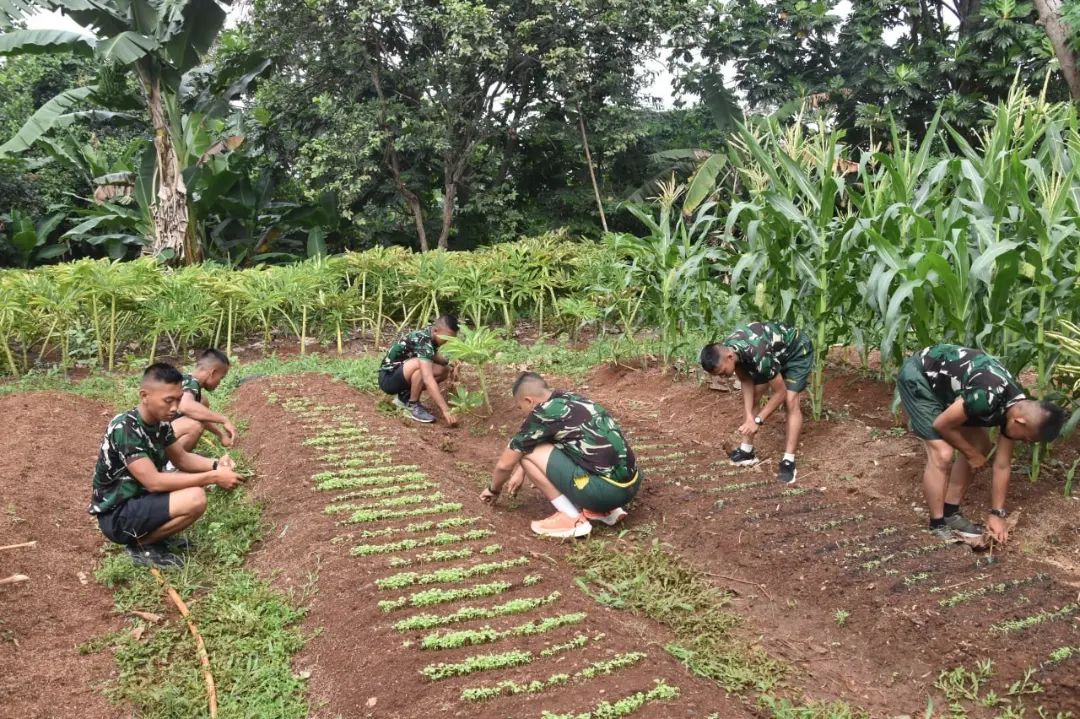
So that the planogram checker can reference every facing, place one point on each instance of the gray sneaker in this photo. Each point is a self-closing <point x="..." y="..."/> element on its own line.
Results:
<point x="945" y="534"/>
<point x="153" y="555"/>
<point x="420" y="413"/>
<point x="963" y="526"/>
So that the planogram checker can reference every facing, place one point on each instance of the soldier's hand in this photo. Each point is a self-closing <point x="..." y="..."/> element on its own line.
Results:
<point x="976" y="460"/>
<point x="997" y="528"/>
<point x="488" y="497"/>
<point x="229" y="438"/>
<point x="227" y="479"/>
<point x="451" y="419"/>
<point x="749" y="427"/>
<point x="515" y="481"/>
<point x="226" y="462"/>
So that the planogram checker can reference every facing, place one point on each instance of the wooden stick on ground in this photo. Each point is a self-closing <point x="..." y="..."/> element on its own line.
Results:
<point x="15" y="578"/>
<point x="204" y="658"/>
<point x="759" y="585"/>
<point x="18" y="546"/>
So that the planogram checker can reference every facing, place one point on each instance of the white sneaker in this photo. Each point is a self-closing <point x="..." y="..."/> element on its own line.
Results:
<point x="610" y="519"/>
<point x="170" y="467"/>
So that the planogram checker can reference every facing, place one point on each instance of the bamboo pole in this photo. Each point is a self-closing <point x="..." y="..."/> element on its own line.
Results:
<point x="18" y="546"/>
<point x="204" y="658"/>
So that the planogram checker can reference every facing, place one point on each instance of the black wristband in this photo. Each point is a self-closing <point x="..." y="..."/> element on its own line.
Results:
<point x="491" y="488"/>
<point x="214" y="468"/>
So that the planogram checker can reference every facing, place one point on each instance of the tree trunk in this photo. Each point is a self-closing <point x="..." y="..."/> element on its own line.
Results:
<point x="1050" y="19"/>
<point x="172" y="231"/>
<point x="592" y="172"/>
<point x="450" y="191"/>
<point x="968" y="11"/>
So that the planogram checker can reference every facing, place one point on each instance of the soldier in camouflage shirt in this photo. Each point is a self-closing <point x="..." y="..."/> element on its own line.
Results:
<point x="765" y="355"/>
<point x="137" y="503"/>
<point x="573" y="451"/>
<point x="951" y="394"/>
<point x="195" y="415"/>
<point x="413" y="364"/>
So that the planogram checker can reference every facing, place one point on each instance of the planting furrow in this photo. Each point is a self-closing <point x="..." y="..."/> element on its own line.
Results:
<point x="487" y="635"/>
<point x="592" y="671"/>
<point x="439" y="595"/>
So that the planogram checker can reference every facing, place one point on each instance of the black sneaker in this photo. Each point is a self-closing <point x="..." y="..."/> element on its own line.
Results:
<point x="177" y="543"/>
<point x="787" y="473"/>
<point x="743" y="459"/>
<point x="153" y="555"/>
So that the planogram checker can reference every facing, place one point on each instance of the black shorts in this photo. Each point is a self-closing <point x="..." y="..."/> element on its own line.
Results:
<point x="135" y="518"/>
<point x="392" y="381"/>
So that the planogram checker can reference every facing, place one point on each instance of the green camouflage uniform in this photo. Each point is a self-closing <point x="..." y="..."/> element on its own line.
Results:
<point x="937" y="376"/>
<point x="765" y="349"/>
<point x="193" y="387"/>
<point x="591" y="464"/>
<point x="127" y="438"/>
<point x="418" y="343"/>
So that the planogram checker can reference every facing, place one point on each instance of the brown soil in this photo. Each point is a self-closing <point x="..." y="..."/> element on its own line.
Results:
<point x="47" y="451"/>
<point x="898" y="636"/>
<point x="357" y="662"/>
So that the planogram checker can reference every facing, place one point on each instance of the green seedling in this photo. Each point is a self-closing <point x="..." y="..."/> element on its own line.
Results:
<point x="379" y="515"/>
<point x="841" y="616"/>
<point x="441" y="539"/>
<point x="479" y="663"/>
<point x="622" y="707"/>
<point x="466" y="614"/>
<point x="999" y="588"/>
<point x="449" y="575"/>
<point x="417" y="527"/>
<point x="486" y="635"/>
<point x="509" y="687"/>
<point x="1015" y="625"/>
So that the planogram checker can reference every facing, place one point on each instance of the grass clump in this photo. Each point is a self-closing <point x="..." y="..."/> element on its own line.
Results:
<point x="652" y="582"/>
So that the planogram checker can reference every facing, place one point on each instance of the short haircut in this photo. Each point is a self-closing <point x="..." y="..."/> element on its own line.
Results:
<point x="1053" y="418"/>
<point x="449" y="321"/>
<point x="710" y="356"/>
<point x="528" y="378"/>
<point x="210" y="355"/>
<point x="162" y="372"/>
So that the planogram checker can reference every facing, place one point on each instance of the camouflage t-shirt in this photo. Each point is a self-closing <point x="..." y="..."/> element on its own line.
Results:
<point x="127" y="438"/>
<point x="987" y="388"/>
<point x="418" y="343"/>
<point x="192" y="385"/>
<point x="762" y="348"/>
<point x="581" y="429"/>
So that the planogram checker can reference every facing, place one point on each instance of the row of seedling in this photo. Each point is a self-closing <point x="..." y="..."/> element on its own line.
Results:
<point x="592" y="671"/>
<point x="1015" y="625"/>
<point x="625" y="706"/>
<point x="998" y="588"/>
<point x="442" y="595"/>
<point x="502" y="660"/>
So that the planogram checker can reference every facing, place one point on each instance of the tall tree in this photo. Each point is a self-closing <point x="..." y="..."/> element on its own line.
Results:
<point x="429" y="100"/>
<point x="157" y="41"/>
<point x="1052" y="19"/>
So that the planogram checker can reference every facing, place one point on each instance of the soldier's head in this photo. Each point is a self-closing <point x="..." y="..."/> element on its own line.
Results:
<point x="1030" y="420"/>
<point x="529" y="390"/>
<point x="212" y="366"/>
<point x="160" y="392"/>
<point x="718" y="359"/>
<point x="445" y="327"/>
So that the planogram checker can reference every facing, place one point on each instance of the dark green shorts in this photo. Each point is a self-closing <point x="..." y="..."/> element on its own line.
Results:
<point x="796" y="371"/>
<point x="589" y="491"/>
<point x="920" y="402"/>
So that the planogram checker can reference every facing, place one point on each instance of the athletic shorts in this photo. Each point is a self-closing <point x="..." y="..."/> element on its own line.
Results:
<point x="135" y="518"/>
<point x="920" y="402"/>
<point x="589" y="491"/>
<point x="796" y="371"/>
<point x="392" y="381"/>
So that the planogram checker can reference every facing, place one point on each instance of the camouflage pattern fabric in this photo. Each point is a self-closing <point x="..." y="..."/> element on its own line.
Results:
<point x="127" y="438"/>
<point x="418" y="343"/>
<point x="763" y="349"/>
<point x="192" y="385"/>
<point x="581" y="429"/>
<point x="987" y="388"/>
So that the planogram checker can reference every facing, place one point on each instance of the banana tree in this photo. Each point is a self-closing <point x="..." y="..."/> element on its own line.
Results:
<point x="156" y="41"/>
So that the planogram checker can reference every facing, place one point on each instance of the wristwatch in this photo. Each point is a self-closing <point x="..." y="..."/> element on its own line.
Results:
<point x="1003" y="513"/>
<point x="759" y="421"/>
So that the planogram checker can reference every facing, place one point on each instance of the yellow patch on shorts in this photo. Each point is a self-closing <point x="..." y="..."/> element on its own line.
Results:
<point x="581" y="480"/>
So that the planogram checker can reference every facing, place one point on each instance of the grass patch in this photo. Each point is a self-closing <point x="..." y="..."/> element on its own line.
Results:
<point x="652" y="582"/>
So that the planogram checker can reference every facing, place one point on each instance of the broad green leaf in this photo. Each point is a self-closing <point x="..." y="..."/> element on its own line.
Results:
<point x="126" y="48"/>
<point x="703" y="183"/>
<point x="57" y="112"/>
<point x="22" y="42"/>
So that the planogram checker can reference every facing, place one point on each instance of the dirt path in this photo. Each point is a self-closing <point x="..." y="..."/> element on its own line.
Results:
<point x="47" y="451"/>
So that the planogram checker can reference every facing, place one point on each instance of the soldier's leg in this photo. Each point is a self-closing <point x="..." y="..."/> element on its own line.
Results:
<point x="187" y="431"/>
<point x="185" y="506"/>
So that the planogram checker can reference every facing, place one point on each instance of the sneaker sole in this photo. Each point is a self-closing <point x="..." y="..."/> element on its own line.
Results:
<point x="606" y="518"/>
<point x="969" y="535"/>
<point x="414" y="418"/>
<point x="579" y="530"/>
<point x="744" y="463"/>
<point x="789" y="481"/>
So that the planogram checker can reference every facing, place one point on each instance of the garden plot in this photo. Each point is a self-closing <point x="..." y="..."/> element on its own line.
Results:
<point x="464" y="613"/>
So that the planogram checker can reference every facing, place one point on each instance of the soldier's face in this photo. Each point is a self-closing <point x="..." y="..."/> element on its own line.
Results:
<point x="726" y="366"/>
<point x="1017" y="429"/>
<point x="216" y="375"/>
<point x="161" y="401"/>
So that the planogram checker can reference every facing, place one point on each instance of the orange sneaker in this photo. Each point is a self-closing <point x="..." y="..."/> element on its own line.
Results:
<point x="610" y="519"/>
<point x="562" y="526"/>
